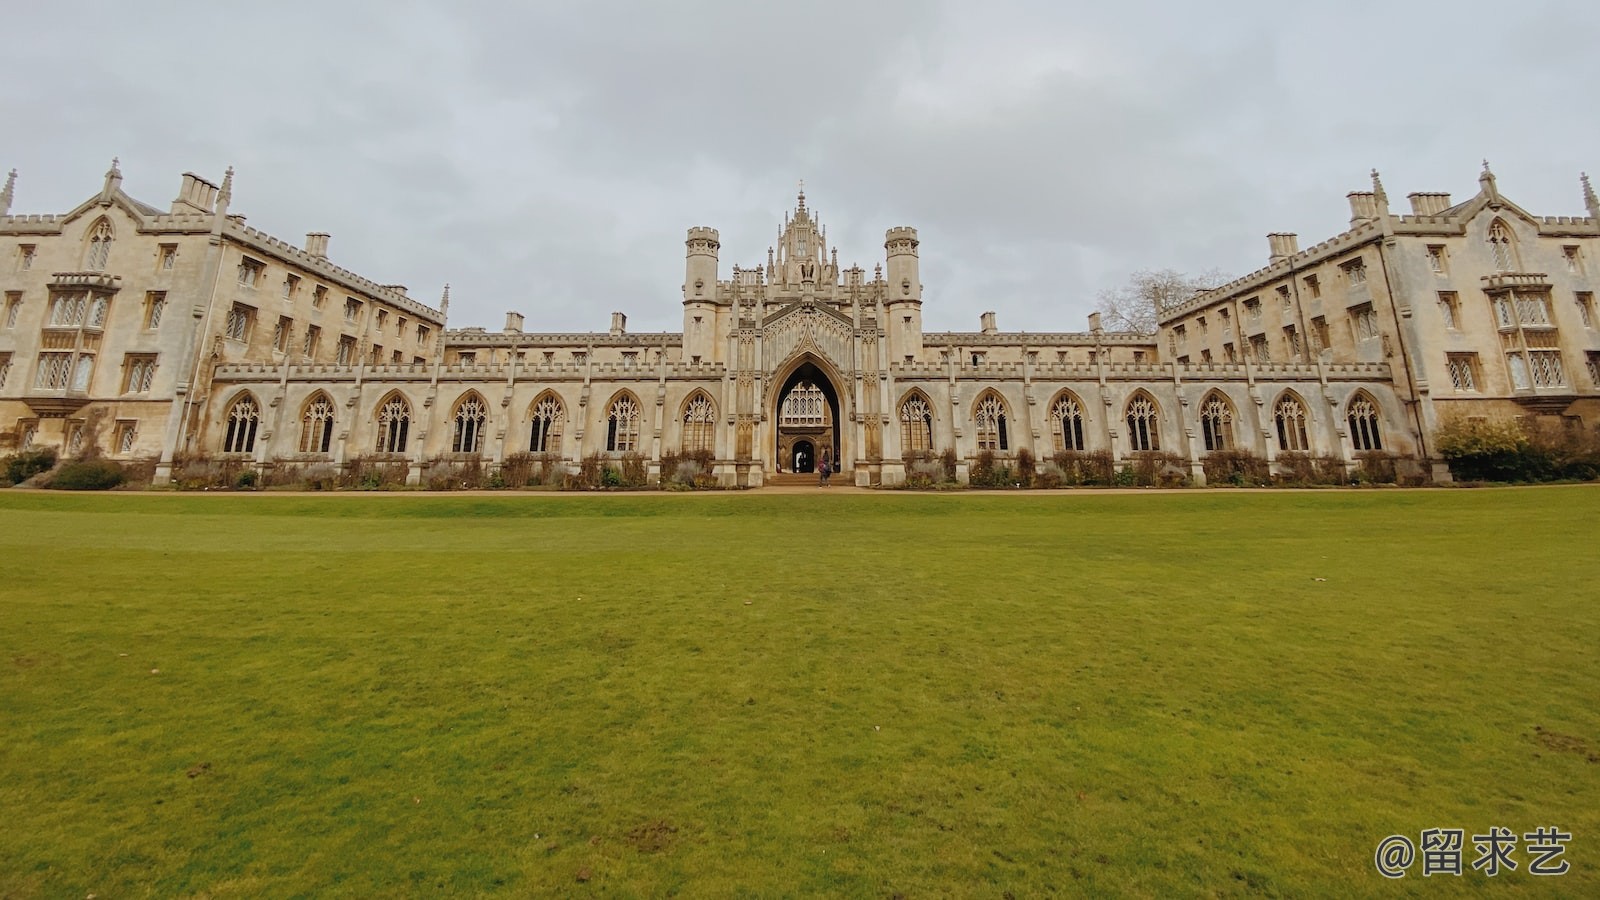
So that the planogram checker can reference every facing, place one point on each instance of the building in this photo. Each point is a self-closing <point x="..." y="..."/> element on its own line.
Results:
<point x="157" y="334"/>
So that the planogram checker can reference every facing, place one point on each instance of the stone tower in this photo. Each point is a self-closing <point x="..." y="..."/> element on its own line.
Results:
<point x="903" y="300"/>
<point x="700" y="294"/>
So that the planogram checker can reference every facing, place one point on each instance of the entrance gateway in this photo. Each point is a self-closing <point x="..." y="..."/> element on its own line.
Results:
<point x="808" y="417"/>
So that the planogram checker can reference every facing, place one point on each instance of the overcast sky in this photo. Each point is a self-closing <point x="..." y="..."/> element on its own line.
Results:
<point x="548" y="157"/>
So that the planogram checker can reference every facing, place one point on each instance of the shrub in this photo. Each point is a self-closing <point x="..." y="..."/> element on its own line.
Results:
<point x="198" y="472"/>
<point x="1048" y="476"/>
<point x="692" y="469"/>
<point x="924" y="473"/>
<point x="1297" y="469"/>
<point x="635" y="470"/>
<point x="308" y="476"/>
<point x="456" y="474"/>
<point x="1236" y="467"/>
<point x="87" y="475"/>
<point x="1377" y="467"/>
<point x="529" y="469"/>
<point x="949" y="460"/>
<point x="1502" y="450"/>
<point x="374" y="473"/>
<point x="1156" y="468"/>
<point x="1026" y="467"/>
<point x="1079" y="467"/>
<point x="19" y="467"/>
<point x="986" y="471"/>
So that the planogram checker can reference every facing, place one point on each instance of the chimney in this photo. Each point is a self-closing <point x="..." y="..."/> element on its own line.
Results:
<point x="317" y="244"/>
<point x="1363" y="207"/>
<point x="1428" y="204"/>
<point x="1282" y="245"/>
<point x="1094" y="322"/>
<point x="988" y="322"/>
<point x="619" y="324"/>
<point x="513" y="323"/>
<point x="195" y="193"/>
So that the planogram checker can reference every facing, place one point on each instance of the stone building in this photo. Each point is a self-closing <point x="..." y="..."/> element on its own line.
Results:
<point x="156" y="334"/>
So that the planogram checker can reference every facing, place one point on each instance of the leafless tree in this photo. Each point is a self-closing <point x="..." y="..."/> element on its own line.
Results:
<point x="1138" y="305"/>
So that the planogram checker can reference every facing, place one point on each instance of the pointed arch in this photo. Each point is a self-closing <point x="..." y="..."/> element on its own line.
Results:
<point x="1503" y="246"/>
<point x="989" y="417"/>
<point x="547" y="416"/>
<point x="1216" y="421"/>
<point x="394" y="423"/>
<point x="622" y="423"/>
<point x="916" y="423"/>
<point x="470" y="416"/>
<point x="699" y="418"/>
<point x="316" y="424"/>
<point x="1289" y="414"/>
<point x="1066" y="422"/>
<point x="1362" y="414"/>
<point x="244" y="417"/>
<point x="1144" y="422"/>
<point x="101" y="234"/>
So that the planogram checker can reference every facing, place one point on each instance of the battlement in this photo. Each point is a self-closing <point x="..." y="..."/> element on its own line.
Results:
<point x="288" y="252"/>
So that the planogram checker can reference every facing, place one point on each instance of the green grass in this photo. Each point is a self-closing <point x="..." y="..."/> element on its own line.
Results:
<point x="750" y="695"/>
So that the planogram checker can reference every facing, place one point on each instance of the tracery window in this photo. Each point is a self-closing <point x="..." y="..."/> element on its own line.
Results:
<point x="622" y="425"/>
<point x="916" y="425"/>
<point x="1290" y="415"/>
<point x="1363" y="416"/>
<point x="470" y="417"/>
<point x="806" y="404"/>
<point x="394" y="425"/>
<point x="1066" y="423"/>
<point x="1505" y="257"/>
<point x="316" y="425"/>
<point x="990" y="417"/>
<point x="1216" y="422"/>
<point x="1143" y="424"/>
<point x="547" y="419"/>
<point x="99" y="246"/>
<point x="699" y="423"/>
<point x="243" y="419"/>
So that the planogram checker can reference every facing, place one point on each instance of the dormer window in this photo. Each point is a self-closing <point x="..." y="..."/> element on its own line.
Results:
<point x="99" y="246"/>
<point x="1505" y="257"/>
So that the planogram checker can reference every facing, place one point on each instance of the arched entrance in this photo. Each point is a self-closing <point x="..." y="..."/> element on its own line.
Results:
<point x="807" y="419"/>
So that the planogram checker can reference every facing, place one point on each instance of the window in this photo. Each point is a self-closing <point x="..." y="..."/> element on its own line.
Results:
<point x="548" y="417"/>
<point x="1201" y="323"/>
<point x="313" y="334"/>
<point x="316" y="424"/>
<point x="397" y="358"/>
<point x="400" y="326"/>
<point x="916" y="425"/>
<point x="1500" y="247"/>
<point x="352" y="310"/>
<point x="75" y="437"/>
<point x="630" y="358"/>
<point x="25" y="255"/>
<point x="1355" y="272"/>
<point x="319" y="296"/>
<point x="138" y="372"/>
<point x="68" y="310"/>
<point x="243" y="418"/>
<point x="1229" y="353"/>
<point x="805" y="404"/>
<point x="237" y="327"/>
<point x="1216" y="422"/>
<point x="1291" y="341"/>
<point x="250" y="272"/>
<point x="699" y="424"/>
<point x="394" y="422"/>
<point x="55" y="371"/>
<point x="1364" y="322"/>
<point x="1314" y="286"/>
<point x="83" y="372"/>
<point x="1504" y="312"/>
<point x="281" y="334"/>
<point x="1066" y="423"/>
<point x="1319" y="334"/>
<point x="126" y="436"/>
<point x="291" y="285"/>
<point x="622" y="425"/>
<point x="1533" y="309"/>
<point x="155" y="303"/>
<point x="1227" y="323"/>
<point x="1181" y="335"/>
<point x="99" y="308"/>
<point x="1290" y="416"/>
<point x="1519" y="371"/>
<point x="466" y="359"/>
<point x="1205" y="357"/>
<point x="990" y="418"/>
<point x="1593" y="361"/>
<point x="347" y="350"/>
<point x="977" y="358"/>
<point x="99" y="246"/>
<point x="1259" y="349"/>
<point x="5" y="368"/>
<point x="1138" y="357"/>
<point x="1463" y="369"/>
<point x="383" y="318"/>
<point x="1143" y="425"/>
<point x="422" y="334"/>
<point x="1574" y="259"/>
<point x="418" y="361"/>
<point x="375" y="355"/>
<point x="13" y="306"/>
<point x="30" y="431"/>
<point x="1450" y="309"/>
<point x="167" y="257"/>
<point x="1283" y="298"/>
<point x="1252" y="310"/>
<point x="470" y="417"/>
<point x="1546" y="368"/>
<point x="1585" y="301"/>
<point x="1436" y="259"/>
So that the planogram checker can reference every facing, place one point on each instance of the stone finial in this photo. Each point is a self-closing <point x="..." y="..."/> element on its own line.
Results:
<point x="444" y="300"/>
<point x="113" y="176"/>
<point x="802" y="199"/>
<point x="1589" y="199"/>
<point x="1487" y="182"/>
<point x="225" y="194"/>
<point x="10" y="191"/>
<point x="1380" y="197"/>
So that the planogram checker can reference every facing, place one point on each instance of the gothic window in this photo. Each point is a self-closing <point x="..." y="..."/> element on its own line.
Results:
<point x="139" y="372"/>
<point x="1290" y="415"/>
<point x="1463" y="368"/>
<point x="1066" y="423"/>
<point x="1500" y="246"/>
<point x="316" y="425"/>
<point x="699" y="423"/>
<point x="243" y="418"/>
<point x="394" y="424"/>
<point x="990" y="418"/>
<point x="916" y="425"/>
<point x="1216" y="422"/>
<point x="622" y="425"/>
<point x="548" y="417"/>
<point x="471" y="414"/>
<point x="1143" y="423"/>
<point x="99" y="246"/>
<point x="237" y="325"/>
<point x="805" y="405"/>
<point x="1363" y="416"/>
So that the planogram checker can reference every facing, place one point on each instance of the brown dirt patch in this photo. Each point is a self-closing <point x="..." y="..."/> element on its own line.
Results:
<point x="653" y="837"/>
<point x="1565" y="743"/>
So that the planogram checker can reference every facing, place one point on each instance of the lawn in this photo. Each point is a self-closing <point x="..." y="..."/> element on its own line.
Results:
<point x="1157" y="694"/>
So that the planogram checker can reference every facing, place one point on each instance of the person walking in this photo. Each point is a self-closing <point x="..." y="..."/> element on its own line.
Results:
<point x="824" y="468"/>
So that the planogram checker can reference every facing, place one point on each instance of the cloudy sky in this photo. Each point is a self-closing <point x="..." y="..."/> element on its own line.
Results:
<point x="548" y="157"/>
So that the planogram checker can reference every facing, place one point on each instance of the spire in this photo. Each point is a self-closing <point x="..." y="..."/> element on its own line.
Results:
<point x="1589" y="199"/>
<point x="11" y="189"/>
<point x="1379" y="196"/>
<point x="802" y="206"/>
<point x="225" y="195"/>
<point x="113" y="177"/>
<point x="444" y="300"/>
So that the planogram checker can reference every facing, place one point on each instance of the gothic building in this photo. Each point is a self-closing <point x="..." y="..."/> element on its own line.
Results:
<point x="156" y="334"/>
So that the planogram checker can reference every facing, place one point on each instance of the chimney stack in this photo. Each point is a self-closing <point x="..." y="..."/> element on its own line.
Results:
<point x="987" y="319"/>
<point x="1282" y="245"/>
<point x="1363" y="207"/>
<point x="195" y="193"/>
<point x="513" y="323"/>
<point x="619" y="324"/>
<point x="1428" y="203"/>
<point x="1094" y="322"/>
<point x="317" y="244"/>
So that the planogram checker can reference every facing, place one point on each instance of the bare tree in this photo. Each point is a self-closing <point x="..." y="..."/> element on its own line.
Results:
<point x="1138" y="305"/>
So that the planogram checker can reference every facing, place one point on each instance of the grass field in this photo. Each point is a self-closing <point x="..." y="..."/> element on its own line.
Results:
<point x="1155" y="695"/>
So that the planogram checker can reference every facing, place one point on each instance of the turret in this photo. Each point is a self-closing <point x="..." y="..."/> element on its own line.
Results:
<point x="903" y="293"/>
<point x="700" y="293"/>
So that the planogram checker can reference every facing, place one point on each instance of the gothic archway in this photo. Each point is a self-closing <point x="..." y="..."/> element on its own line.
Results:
<point x="807" y="410"/>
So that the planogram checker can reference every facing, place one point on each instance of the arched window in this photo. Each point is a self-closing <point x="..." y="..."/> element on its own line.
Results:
<point x="1066" y="422"/>
<point x="394" y="424"/>
<point x="471" y="414"/>
<point x="990" y="417"/>
<point x="1501" y="246"/>
<point x="805" y="404"/>
<point x="1143" y="423"/>
<point x="699" y="424"/>
<point x="1216" y="422"/>
<point x="548" y="417"/>
<point x="243" y="418"/>
<point x="916" y="425"/>
<point x="1363" y="415"/>
<point x="316" y="425"/>
<point x="99" y="246"/>
<point x="622" y="425"/>
<point x="1290" y="414"/>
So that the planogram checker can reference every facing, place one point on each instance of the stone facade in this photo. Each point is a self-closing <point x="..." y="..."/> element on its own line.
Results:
<point x="162" y="333"/>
